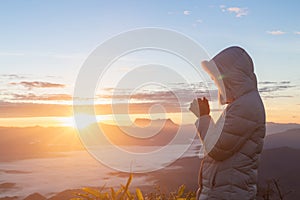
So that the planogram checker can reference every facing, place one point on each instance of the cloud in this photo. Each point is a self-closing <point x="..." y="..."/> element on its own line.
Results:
<point x="239" y="12"/>
<point x="16" y="77"/>
<point x="38" y="84"/>
<point x="273" y="89"/>
<point x="276" y="32"/>
<point x="8" y="110"/>
<point x="276" y="96"/>
<point x="270" y="86"/>
<point x="30" y="104"/>
<point x="267" y="82"/>
<point x="285" y="82"/>
<point x="11" y="76"/>
<point x="48" y="97"/>
<point x="297" y="32"/>
<point x="177" y="90"/>
<point x="179" y="96"/>
<point x="187" y="12"/>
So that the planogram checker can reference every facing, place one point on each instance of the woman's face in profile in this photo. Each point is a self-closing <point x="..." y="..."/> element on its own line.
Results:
<point x="215" y="81"/>
<point x="219" y="85"/>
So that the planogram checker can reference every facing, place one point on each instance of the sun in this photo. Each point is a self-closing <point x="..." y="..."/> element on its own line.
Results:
<point x="83" y="120"/>
<point x="78" y="121"/>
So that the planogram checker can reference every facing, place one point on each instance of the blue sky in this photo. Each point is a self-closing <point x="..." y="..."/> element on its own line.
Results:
<point x="52" y="38"/>
<point x="70" y="28"/>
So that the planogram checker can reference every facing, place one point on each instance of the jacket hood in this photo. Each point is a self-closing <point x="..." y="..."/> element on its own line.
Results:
<point x="233" y="72"/>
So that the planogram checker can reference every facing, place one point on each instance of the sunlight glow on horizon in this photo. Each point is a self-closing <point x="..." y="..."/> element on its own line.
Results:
<point x="178" y="118"/>
<point x="86" y="119"/>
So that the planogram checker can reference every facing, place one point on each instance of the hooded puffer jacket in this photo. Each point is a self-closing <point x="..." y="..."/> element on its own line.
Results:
<point x="232" y="144"/>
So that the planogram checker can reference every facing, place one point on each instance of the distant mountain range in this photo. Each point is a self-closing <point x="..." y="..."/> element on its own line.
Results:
<point x="145" y="132"/>
<point x="30" y="142"/>
<point x="289" y="138"/>
<point x="280" y="127"/>
<point x="145" y="122"/>
<point x="280" y="160"/>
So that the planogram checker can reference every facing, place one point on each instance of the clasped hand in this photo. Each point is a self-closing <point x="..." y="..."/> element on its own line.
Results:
<point x="200" y="107"/>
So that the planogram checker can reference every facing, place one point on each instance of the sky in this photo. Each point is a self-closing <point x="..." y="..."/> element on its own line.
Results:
<point x="45" y="43"/>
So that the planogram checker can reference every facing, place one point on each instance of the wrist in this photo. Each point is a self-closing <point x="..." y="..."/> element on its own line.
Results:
<point x="203" y="114"/>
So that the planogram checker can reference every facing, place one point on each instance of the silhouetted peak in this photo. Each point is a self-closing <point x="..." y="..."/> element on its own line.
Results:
<point x="143" y="122"/>
<point x="35" y="196"/>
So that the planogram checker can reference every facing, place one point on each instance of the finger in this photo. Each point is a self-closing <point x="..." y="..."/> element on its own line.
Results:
<point x="192" y="104"/>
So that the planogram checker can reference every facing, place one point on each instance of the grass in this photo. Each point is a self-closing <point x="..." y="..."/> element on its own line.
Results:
<point x="123" y="193"/>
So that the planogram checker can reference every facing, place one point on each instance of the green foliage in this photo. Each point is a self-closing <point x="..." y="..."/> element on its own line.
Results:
<point x="123" y="193"/>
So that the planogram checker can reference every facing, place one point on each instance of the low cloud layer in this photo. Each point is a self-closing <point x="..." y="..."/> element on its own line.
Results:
<point x="45" y="97"/>
<point x="22" y="103"/>
<point x="38" y="84"/>
<point x="274" y="89"/>
<point x="11" y="76"/>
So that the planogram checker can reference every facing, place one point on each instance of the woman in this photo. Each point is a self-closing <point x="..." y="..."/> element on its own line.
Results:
<point x="229" y="167"/>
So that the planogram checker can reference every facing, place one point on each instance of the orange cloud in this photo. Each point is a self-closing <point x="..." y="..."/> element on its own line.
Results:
<point x="47" y="97"/>
<point x="38" y="84"/>
<point x="10" y="110"/>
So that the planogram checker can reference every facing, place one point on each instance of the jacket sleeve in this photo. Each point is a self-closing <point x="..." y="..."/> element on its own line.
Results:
<point x="227" y="136"/>
<point x="202" y="125"/>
